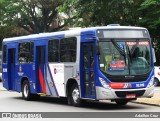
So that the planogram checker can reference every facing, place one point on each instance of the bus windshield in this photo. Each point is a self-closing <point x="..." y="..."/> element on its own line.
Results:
<point x="125" y="57"/>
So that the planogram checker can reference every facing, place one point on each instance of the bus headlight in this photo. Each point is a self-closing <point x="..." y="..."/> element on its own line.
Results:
<point x="104" y="83"/>
<point x="151" y="83"/>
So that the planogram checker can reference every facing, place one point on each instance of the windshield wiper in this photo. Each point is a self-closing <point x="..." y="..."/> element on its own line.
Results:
<point x="131" y="51"/>
<point x="122" y="52"/>
<point x="130" y="54"/>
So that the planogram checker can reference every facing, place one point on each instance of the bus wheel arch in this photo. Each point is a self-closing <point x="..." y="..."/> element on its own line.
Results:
<point x="73" y="93"/>
<point x="26" y="91"/>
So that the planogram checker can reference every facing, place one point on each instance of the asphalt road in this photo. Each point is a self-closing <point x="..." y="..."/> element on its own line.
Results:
<point x="12" y="102"/>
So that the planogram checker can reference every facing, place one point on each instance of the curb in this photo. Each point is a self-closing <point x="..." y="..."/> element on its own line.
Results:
<point x="2" y="89"/>
<point x="1" y="86"/>
<point x="145" y="103"/>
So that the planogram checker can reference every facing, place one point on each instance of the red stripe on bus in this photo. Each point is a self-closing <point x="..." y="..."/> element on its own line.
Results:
<point x="42" y="82"/>
<point x="117" y="85"/>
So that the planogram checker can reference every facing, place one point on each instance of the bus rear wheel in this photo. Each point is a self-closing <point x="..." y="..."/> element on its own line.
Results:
<point x="26" y="93"/>
<point x="121" y="102"/>
<point x="75" y="96"/>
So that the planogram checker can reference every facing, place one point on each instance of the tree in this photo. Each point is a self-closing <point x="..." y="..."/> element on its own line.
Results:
<point x="103" y="12"/>
<point x="151" y="20"/>
<point x="34" y="16"/>
<point x="151" y="12"/>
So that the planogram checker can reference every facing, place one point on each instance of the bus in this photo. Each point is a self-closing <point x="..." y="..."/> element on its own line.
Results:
<point x="98" y="63"/>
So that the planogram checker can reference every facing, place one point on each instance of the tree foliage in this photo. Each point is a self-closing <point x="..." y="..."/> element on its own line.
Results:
<point x="151" y="12"/>
<point x="103" y="12"/>
<point x="86" y="13"/>
<point x="151" y="19"/>
<point x="34" y="16"/>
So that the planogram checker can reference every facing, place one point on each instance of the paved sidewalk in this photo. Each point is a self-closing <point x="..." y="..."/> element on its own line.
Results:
<point x="1" y="87"/>
<point x="155" y="100"/>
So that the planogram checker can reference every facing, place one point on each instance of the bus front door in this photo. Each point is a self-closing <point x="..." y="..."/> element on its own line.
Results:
<point x="11" y="69"/>
<point x="87" y="69"/>
<point x="40" y="69"/>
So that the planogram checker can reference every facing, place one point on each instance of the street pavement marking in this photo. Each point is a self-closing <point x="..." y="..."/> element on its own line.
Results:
<point x="41" y="94"/>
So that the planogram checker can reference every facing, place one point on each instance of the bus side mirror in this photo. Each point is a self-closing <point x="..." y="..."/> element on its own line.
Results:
<point x="154" y="56"/>
<point x="97" y="49"/>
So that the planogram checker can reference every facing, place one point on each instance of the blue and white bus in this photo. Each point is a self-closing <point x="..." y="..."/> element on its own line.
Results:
<point x="98" y="63"/>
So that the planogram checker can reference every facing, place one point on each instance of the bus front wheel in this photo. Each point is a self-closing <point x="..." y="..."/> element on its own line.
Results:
<point x="75" y="95"/>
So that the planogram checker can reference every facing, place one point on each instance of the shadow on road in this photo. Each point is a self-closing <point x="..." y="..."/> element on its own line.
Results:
<point x="89" y="104"/>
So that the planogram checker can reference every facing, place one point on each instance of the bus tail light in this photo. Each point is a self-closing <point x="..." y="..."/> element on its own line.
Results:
<point x="159" y="73"/>
<point x="104" y="83"/>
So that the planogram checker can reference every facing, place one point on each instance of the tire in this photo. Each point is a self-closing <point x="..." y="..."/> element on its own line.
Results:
<point x="74" y="96"/>
<point x="121" y="102"/>
<point x="26" y="93"/>
<point x="156" y="82"/>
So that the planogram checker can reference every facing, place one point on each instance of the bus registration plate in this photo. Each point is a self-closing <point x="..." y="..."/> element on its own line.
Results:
<point x="129" y="96"/>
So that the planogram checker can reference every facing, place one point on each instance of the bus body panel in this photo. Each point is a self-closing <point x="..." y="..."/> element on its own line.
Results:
<point x="9" y="67"/>
<point x="107" y="94"/>
<point x="24" y="70"/>
<point x="140" y="88"/>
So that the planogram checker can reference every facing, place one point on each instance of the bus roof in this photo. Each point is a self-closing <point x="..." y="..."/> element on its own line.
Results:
<point x="67" y="33"/>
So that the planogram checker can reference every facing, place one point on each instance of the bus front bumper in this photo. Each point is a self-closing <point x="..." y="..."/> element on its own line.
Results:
<point x="109" y="94"/>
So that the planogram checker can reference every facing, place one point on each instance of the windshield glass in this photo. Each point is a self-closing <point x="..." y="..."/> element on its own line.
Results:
<point x="129" y="57"/>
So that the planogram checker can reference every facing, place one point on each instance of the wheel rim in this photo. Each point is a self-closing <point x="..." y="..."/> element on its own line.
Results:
<point x="26" y="90"/>
<point x="75" y="95"/>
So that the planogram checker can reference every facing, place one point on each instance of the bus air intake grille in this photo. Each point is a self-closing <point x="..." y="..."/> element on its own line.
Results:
<point x="124" y="93"/>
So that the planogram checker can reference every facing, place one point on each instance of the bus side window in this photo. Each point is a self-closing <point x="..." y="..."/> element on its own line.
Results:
<point x="25" y="52"/>
<point x="4" y="53"/>
<point x="53" y="50"/>
<point x="68" y="47"/>
<point x="31" y="51"/>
